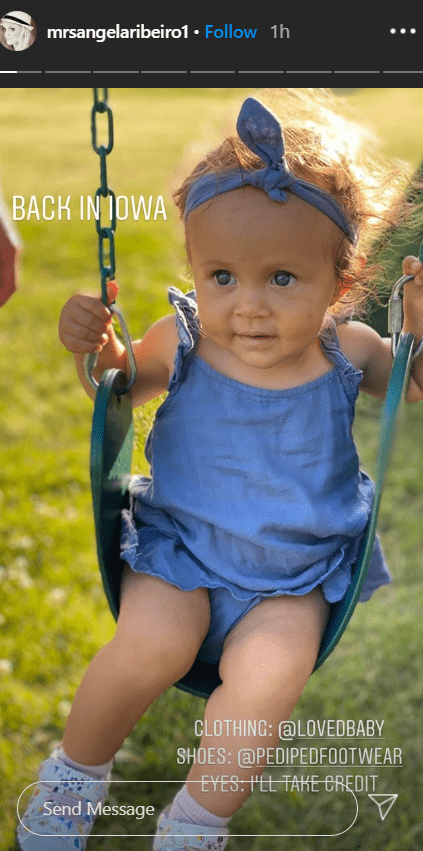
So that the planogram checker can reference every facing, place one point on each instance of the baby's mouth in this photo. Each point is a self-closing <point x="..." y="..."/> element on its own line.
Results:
<point x="257" y="339"/>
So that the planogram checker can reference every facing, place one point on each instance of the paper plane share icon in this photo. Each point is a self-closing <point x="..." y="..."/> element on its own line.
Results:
<point x="384" y="803"/>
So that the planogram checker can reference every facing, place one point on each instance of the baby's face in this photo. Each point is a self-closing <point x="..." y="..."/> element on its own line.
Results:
<point x="264" y="276"/>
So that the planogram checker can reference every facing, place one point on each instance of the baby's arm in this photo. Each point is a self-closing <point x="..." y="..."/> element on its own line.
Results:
<point x="85" y="326"/>
<point x="369" y="352"/>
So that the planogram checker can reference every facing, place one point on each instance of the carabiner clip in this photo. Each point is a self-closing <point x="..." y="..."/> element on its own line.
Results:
<point x="395" y="317"/>
<point x="90" y="360"/>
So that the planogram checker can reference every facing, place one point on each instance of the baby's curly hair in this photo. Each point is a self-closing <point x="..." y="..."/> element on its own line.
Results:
<point x="324" y="146"/>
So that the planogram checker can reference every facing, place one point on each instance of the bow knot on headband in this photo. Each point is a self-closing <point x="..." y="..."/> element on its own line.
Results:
<point x="261" y="132"/>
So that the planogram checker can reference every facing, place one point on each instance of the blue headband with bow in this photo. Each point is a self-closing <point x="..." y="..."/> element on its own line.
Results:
<point x="261" y="132"/>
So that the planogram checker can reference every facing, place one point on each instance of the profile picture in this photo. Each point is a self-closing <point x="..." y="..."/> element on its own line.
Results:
<point x="17" y="30"/>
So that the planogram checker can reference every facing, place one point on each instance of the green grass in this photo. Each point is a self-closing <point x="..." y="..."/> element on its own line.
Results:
<point x="53" y="612"/>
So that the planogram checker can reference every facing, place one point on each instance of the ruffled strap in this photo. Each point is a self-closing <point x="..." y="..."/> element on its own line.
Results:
<point x="188" y="328"/>
<point x="350" y="376"/>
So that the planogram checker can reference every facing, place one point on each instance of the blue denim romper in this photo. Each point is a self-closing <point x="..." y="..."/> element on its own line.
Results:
<point x="253" y="492"/>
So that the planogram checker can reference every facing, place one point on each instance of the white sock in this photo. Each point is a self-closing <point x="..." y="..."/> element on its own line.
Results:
<point x="99" y="771"/>
<point x="186" y="809"/>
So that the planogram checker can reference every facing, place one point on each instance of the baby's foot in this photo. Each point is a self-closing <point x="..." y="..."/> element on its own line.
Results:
<point x="63" y="805"/>
<point x="189" y="837"/>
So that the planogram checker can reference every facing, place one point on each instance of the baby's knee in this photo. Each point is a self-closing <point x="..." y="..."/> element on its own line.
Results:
<point x="161" y="628"/>
<point x="274" y="648"/>
<point x="260" y="663"/>
<point x="155" y="653"/>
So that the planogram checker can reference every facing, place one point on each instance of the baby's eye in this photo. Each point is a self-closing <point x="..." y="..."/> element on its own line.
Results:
<point x="283" y="279"/>
<point x="223" y="277"/>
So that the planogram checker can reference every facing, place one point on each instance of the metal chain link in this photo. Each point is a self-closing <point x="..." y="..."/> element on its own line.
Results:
<point x="396" y="317"/>
<point x="106" y="235"/>
<point x="107" y="268"/>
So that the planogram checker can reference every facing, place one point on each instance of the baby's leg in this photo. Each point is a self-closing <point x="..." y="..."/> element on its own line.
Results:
<point x="266" y="662"/>
<point x="159" y="632"/>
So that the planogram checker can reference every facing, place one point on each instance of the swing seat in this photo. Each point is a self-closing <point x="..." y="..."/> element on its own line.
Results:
<point x="111" y="455"/>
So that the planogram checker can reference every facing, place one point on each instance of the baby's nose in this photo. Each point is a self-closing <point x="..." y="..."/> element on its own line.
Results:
<point x="251" y="301"/>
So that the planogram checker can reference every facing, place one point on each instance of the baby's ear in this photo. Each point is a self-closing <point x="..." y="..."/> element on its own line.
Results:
<point x="188" y="252"/>
<point x="342" y="286"/>
<point x="347" y="280"/>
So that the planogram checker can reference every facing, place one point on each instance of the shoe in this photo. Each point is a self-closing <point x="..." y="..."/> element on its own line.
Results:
<point x="75" y="794"/>
<point x="189" y="837"/>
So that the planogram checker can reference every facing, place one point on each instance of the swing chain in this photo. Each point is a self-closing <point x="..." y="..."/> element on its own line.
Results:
<point x="108" y="271"/>
<point x="395" y="317"/>
<point x="107" y="267"/>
